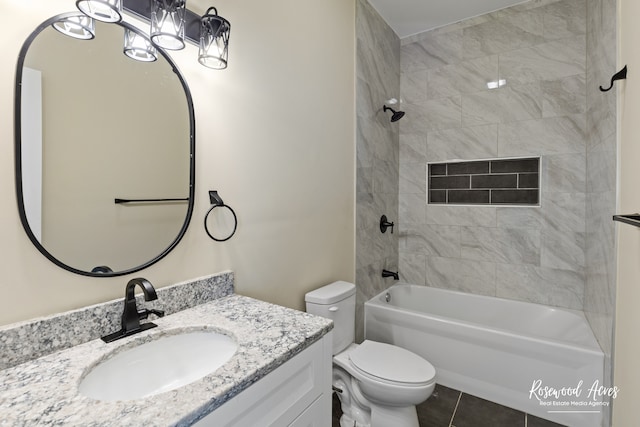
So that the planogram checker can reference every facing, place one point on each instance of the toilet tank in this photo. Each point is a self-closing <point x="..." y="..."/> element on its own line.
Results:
<point x="336" y="301"/>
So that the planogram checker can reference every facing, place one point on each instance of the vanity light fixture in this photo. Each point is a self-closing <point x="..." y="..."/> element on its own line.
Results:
<point x="171" y="26"/>
<point x="101" y="10"/>
<point x="214" y="40"/>
<point x="168" y="23"/>
<point x="139" y="47"/>
<point x="77" y="26"/>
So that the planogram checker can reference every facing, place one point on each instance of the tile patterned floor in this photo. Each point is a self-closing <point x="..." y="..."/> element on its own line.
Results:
<point x="451" y="408"/>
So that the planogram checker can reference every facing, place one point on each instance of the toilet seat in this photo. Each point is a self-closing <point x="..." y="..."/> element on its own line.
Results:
<point x="392" y="365"/>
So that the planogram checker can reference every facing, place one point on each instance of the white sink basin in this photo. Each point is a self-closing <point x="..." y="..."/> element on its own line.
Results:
<point x="158" y="366"/>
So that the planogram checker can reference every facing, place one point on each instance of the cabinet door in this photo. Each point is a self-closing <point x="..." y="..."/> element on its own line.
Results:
<point x="314" y="416"/>
<point x="281" y="396"/>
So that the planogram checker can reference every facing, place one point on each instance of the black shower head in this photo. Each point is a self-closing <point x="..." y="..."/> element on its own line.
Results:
<point x="397" y="115"/>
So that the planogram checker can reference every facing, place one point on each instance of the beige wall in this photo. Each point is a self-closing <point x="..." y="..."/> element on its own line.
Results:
<point x="627" y="344"/>
<point x="275" y="136"/>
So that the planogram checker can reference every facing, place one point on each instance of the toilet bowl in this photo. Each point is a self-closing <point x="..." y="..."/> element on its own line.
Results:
<point x="378" y="384"/>
<point x="388" y="382"/>
<point x="388" y="374"/>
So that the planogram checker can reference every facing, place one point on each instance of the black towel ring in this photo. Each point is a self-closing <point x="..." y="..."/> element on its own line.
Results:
<point x="217" y="202"/>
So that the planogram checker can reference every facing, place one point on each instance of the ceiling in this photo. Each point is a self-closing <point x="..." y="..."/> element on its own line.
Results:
<point x="409" y="17"/>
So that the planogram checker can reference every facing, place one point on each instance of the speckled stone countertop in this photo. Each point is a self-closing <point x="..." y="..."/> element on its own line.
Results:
<point x="44" y="391"/>
<point x="30" y="339"/>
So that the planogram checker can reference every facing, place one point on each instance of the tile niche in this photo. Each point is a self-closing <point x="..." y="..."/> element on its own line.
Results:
<point x="514" y="181"/>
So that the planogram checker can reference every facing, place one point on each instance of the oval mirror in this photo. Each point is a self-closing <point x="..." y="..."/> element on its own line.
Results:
<point x="104" y="151"/>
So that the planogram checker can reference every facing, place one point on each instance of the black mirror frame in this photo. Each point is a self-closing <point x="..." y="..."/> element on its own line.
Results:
<point x="18" y="155"/>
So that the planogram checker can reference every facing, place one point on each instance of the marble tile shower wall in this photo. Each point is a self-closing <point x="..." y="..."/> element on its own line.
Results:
<point x="377" y="145"/>
<point x="536" y="51"/>
<point x="599" y="299"/>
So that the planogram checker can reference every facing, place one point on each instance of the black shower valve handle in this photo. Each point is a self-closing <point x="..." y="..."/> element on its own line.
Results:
<point x="384" y="224"/>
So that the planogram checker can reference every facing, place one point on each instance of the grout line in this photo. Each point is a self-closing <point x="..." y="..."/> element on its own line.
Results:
<point x="455" y="409"/>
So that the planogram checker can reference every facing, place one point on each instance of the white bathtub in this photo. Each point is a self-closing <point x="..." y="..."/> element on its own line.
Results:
<point x="504" y="351"/>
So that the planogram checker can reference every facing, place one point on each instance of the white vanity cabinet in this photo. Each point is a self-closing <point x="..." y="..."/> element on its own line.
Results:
<point x="297" y="394"/>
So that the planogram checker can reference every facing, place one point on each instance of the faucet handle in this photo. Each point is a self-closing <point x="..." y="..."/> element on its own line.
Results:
<point x="385" y="223"/>
<point x="143" y="314"/>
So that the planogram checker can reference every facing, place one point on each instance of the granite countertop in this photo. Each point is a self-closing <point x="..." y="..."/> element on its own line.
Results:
<point x="44" y="391"/>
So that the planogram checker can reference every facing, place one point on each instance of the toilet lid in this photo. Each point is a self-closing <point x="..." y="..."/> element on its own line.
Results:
<point x="391" y="363"/>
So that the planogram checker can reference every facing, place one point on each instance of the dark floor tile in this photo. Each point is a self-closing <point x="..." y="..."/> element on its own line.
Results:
<point x="533" y="421"/>
<point x="471" y="412"/>
<point x="438" y="408"/>
<point x="475" y="412"/>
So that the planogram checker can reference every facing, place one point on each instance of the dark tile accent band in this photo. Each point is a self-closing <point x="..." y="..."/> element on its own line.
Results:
<point x="469" y="196"/>
<point x="494" y="181"/>
<point x="450" y="182"/>
<point x="438" y="169"/>
<point x="438" y="196"/>
<point x="514" y="197"/>
<point x="467" y="168"/>
<point x="485" y="182"/>
<point x="528" y="180"/>
<point x="515" y="165"/>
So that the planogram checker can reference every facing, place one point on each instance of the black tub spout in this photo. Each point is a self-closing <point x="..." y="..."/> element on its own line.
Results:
<point x="394" y="274"/>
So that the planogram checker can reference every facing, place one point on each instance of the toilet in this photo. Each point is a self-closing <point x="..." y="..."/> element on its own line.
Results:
<point x="378" y="384"/>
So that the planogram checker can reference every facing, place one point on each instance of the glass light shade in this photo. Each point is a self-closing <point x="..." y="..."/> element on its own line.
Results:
<point x="139" y="47"/>
<point x="79" y="27"/>
<point x="167" y="23"/>
<point x="214" y="40"/>
<point x="101" y="10"/>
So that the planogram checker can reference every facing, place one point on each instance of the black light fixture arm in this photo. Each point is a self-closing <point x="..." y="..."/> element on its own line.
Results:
<point x="213" y="24"/>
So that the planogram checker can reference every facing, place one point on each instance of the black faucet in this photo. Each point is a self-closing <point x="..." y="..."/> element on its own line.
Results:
<point x="131" y="316"/>
<point x="387" y="273"/>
